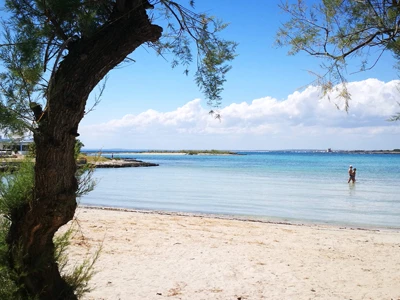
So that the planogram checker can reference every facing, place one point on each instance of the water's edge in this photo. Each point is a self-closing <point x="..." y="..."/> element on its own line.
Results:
<point x="252" y="219"/>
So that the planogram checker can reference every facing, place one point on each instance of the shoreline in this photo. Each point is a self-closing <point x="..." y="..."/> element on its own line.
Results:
<point x="238" y="152"/>
<point x="181" y="153"/>
<point x="157" y="256"/>
<point x="250" y="219"/>
<point x="122" y="163"/>
<point x="165" y="152"/>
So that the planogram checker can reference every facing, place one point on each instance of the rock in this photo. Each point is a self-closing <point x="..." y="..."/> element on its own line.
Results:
<point x="131" y="163"/>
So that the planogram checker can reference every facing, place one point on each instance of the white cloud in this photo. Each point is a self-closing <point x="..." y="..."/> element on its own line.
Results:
<point x="302" y="119"/>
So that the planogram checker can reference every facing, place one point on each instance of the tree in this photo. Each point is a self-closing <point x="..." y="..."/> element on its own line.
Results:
<point x="54" y="53"/>
<point x="340" y="30"/>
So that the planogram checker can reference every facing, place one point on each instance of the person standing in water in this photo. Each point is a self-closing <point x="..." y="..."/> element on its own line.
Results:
<point x="354" y="175"/>
<point x="350" y="174"/>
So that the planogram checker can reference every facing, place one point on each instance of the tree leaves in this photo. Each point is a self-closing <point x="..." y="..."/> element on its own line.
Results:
<point x="212" y="53"/>
<point x="337" y="30"/>
<point x="36" y="35"/>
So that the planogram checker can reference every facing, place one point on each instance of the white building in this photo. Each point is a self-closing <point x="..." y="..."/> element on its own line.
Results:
<point x="14" y="146"/>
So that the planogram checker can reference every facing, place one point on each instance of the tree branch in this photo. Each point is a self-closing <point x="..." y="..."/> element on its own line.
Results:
<point x="58" y="30"/>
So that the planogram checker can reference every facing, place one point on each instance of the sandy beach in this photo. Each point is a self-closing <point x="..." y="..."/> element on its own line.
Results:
<point x="161" y="256"/>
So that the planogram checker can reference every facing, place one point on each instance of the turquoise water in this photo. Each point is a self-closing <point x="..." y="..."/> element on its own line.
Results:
<point x="292" y="186"/>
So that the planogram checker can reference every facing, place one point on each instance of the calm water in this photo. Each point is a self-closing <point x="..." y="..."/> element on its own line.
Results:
<point x="305" y="187"/>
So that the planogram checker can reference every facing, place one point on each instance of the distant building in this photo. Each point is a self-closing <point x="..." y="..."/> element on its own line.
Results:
<point x="329" y="150"/>
<point x="14" y="146"/>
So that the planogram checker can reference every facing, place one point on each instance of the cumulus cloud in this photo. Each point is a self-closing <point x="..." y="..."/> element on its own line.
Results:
<point x="303" y="114"/>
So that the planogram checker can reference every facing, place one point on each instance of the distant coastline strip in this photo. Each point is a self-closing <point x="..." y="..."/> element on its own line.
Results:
<point x="166" y="152"/>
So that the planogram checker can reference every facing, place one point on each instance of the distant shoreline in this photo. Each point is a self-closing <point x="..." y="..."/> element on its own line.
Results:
<point x="396" y="151"/>
<point x="167" y="152"/>
<point x="234" y="152"/>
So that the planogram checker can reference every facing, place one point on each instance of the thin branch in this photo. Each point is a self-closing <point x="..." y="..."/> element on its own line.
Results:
<point x="373" y="65"/>
<point x="359" y="46"/>
<point x="25" y="84"/>
<point x="97" y="99"/>
<point x="184" y="21"/>
<point x="60" y="32"/>
<point x="53" y="72"/>
<point x="175" y="15"/>
<point x="47" y="53"/>
<point x="23" y="43"/>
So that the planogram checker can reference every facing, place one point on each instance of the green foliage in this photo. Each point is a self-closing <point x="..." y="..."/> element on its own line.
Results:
<point x="78" y="147"/>
<point x="336" y="31"/>
<point x="78" y="278"/>
<point x="40" y="33"/>
<point x="10" y="122"/>
<point x="8" y="286"/>
<point x="86" y="183"/>
<point x="213" y="53"/>
<point x="43" y="37"/>
<point x="31" y="150"/>
<point x="210" y="75"/>
<point x="84" y="173"/>
<point x="20" y="56"/>
<point x="16" y="188"/>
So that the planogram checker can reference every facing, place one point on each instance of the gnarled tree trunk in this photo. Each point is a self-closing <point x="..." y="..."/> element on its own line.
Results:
<point x="54" y="197"/>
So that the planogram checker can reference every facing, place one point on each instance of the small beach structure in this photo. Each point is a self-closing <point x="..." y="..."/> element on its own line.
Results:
<point x="13" y="146"/>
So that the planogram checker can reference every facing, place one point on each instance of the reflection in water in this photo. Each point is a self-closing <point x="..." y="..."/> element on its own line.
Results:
<point x="352" y="189"/>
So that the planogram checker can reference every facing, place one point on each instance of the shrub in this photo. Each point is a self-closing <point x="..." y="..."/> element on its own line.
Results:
<point x="15" y="190"/>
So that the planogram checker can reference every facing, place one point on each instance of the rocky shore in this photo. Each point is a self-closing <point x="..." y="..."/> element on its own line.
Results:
<point x="111" y="163"/>
<point x="123" y="163"/>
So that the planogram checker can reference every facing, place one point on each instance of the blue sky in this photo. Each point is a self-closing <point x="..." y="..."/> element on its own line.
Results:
<point x="260" y="69"/>
<point x="266" y="103"/>
<point x="148" y="105"/>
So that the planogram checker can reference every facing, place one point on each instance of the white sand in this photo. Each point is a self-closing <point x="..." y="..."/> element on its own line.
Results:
<point x="153" y="256"/>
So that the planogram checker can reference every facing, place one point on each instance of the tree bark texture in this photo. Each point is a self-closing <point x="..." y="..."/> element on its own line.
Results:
<point x="54" y="196"/>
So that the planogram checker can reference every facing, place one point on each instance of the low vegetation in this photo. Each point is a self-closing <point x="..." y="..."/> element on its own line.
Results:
<point x="90" y="159"/>
<point x="15" y="190"/>
<point x="193" y="152"/>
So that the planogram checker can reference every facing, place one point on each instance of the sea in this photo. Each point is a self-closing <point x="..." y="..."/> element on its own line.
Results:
<point x="279" y="186"/>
